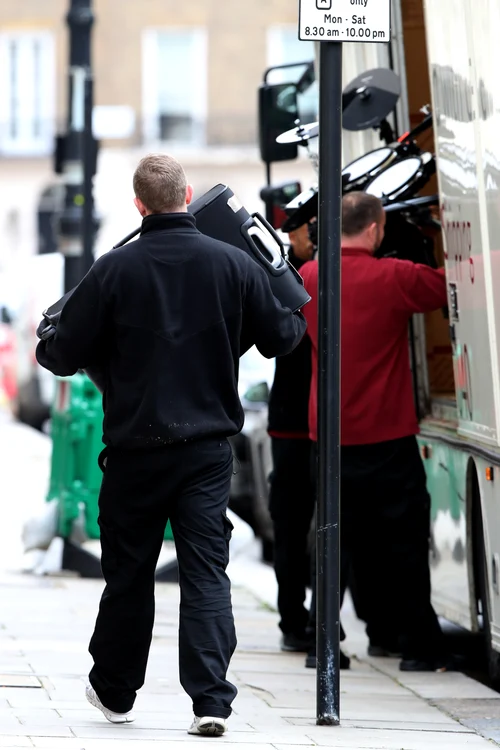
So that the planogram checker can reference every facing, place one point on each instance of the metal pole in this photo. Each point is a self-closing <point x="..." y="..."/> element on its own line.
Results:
<point x="269" y="209"/>
<point x="328" y="524"/>
<point x="88" y="226"/>
<point x="80" y="19"/>
<point x="268" y="173"/>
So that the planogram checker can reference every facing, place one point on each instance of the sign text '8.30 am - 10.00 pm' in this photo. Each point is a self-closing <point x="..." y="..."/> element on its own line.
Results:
<point x="345" y="20"/>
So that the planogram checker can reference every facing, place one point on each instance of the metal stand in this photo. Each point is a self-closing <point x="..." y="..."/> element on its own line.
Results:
<point x="328" y="524"/>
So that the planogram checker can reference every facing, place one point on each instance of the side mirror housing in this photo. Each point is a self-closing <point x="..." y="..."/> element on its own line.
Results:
<point x="278" y="111"/>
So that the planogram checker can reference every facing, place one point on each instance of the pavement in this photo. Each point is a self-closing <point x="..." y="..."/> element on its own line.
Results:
<point x="46" y="623"/>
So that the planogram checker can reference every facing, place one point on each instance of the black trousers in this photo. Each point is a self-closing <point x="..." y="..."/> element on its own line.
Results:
<point x="291" y="504"/>
<point x="141" y="489"/>
<point x="385" y="534"/>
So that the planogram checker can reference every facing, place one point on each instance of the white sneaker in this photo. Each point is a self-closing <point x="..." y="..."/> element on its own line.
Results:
<point x="210" y="726"/>
<point x="111" y="716"/>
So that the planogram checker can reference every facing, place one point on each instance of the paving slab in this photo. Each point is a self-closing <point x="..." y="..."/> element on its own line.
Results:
<point x="50" y="743"/>
<point x="344" y="739"/>
<point x="446" y="725"/>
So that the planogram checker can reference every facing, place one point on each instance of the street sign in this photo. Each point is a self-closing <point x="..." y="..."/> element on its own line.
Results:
<point x="345" y="21"/>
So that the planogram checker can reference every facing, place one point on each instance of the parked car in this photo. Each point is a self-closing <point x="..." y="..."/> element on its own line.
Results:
<point x="252" y="449"/>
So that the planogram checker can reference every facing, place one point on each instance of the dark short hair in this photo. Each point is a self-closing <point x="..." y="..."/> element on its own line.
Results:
<point x="359" y="211"/>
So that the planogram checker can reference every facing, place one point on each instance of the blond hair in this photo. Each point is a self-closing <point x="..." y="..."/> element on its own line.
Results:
<point x="160" y="183"/>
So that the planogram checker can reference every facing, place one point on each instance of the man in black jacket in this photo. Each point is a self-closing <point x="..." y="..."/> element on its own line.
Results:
<point x="166" y="319"/>
<point x="292" y="491"/>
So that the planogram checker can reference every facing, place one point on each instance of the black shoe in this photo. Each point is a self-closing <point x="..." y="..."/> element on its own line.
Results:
<point x="345" y="662"/>
<point x="445" y="664"/>
<point x="383" y="651"/>
<point x="311" y="660"/>
<point x="295" y="644"/>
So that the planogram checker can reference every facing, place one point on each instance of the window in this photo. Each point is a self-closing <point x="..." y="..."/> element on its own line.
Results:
<point x="284" y="47"/>
<point x="175" y="85"/>
<point x="27" y="86"/>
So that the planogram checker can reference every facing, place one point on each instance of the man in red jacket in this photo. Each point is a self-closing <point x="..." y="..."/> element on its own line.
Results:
<point x="385" y="504"/>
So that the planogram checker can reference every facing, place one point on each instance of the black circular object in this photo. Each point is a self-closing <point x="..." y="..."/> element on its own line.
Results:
<point x="402" y="179"/>
<point x="301" y="210"/>
<point x="404" y="239"/>
<point x="412" y="204"/>
<point x="362" y="170"/>
<point x="368" y="99"/>
<point x="304" y="208"/>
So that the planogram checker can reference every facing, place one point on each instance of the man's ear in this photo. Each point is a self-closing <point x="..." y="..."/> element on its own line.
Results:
<point x="189" y="194"/>
<point x="140" y="207"/>
<point x="373" y="230"/>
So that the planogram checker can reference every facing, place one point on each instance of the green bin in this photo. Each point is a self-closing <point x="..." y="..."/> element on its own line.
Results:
<point x="75" y="476"/>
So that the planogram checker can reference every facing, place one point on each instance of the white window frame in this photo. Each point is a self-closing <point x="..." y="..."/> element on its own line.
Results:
<point x="28" y="144"/>
<point x="150" y="104"/>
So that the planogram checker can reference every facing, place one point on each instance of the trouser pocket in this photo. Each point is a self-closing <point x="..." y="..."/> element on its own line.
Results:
<point x="228" y="532"/>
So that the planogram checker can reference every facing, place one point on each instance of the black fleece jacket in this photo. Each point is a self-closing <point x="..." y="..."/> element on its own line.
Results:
<point x="167" y="318"/>
<point x="288" y="415"/>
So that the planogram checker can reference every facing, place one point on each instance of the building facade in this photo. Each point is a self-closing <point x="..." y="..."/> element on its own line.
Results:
<point x="169" y="76"/>
<point x="165" y="72"/>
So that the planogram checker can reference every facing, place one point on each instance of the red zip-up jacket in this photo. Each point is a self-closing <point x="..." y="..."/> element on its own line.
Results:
<point x="378" y="299"/>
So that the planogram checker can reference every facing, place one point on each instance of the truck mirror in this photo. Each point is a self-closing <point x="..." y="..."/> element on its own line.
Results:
<point x="278" y="112"/>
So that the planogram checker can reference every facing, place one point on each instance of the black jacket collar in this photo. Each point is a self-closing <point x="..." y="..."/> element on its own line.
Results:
<point x="183" y="222"/>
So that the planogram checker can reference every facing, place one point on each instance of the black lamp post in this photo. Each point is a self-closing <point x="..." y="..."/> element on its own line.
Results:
<point x="76" y="151"/>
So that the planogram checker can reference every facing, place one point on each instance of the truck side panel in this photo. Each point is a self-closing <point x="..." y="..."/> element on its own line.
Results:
<point x="450" y="54"/>
<point x="484" y="29"/>
<point x="446" y="469"/>
<point x="464" y="56"/>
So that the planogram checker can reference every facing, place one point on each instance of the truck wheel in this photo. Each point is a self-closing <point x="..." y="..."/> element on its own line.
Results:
<point x="482" y="592"/>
